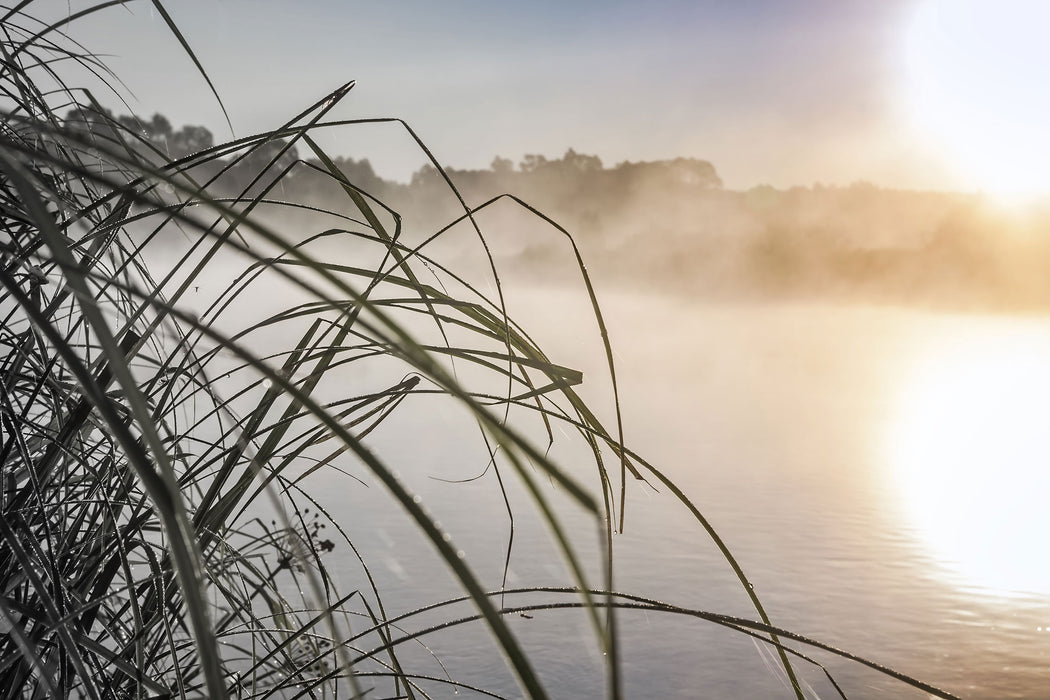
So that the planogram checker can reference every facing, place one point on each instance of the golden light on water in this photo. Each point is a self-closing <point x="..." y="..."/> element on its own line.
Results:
<point x="969" y="452"/>
<point x="975" y="74"/>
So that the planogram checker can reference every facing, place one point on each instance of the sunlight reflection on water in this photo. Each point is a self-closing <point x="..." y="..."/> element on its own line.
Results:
<point x="969" y="450"/>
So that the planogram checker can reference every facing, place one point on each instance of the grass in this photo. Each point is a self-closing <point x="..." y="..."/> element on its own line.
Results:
<point x="151" y="431"/>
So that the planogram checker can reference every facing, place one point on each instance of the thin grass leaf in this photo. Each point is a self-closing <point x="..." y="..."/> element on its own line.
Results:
<point x="193" y="57"/>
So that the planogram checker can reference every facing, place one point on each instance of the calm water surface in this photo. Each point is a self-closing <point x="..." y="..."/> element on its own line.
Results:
<point x="879" y="473"/>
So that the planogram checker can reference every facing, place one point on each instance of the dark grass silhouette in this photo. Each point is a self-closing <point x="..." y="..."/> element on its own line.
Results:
<point x="145" y="432"/>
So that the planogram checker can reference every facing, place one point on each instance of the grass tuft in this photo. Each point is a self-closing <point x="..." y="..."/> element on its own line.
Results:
<point x="159" y="537"/>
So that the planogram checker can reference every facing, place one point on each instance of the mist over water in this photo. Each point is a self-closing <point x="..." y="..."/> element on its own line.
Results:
<point x="671" y="226"/>
<point x="764" y="345"/>
<point x="760" y="369"/>
<point x="772" y="418"/>
<point x="776" y="418"/>
<point x="773" y="415"/>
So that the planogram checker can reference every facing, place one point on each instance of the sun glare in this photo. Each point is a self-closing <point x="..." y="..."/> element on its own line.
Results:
<point x="969" y="451"/>
<point x="975" y="86"/>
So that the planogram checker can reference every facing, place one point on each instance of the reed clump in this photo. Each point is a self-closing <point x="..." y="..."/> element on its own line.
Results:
<point x="160" y="428"/>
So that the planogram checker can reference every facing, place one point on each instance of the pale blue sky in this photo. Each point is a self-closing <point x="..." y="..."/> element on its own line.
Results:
<point x="784" y="92"/>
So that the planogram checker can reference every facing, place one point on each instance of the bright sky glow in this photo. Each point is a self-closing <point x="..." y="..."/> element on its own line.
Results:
<point x="976" y="85"/>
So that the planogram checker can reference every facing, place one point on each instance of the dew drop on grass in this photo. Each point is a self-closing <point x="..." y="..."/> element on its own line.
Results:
<point x="417" y="498"/>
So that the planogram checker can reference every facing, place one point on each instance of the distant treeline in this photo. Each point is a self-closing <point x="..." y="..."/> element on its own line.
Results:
<point x="672" y="225"/>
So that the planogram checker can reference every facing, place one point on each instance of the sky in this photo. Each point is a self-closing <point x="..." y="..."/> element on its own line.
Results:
<point x="781" y="92"/>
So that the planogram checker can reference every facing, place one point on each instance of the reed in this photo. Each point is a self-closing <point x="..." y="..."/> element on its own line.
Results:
<point x="159" y="538"/>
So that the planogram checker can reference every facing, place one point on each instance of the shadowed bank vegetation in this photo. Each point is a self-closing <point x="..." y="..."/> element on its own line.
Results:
<point x="161" y="428"/>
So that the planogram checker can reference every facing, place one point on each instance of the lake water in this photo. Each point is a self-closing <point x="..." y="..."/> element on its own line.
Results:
<point x="879" y="473"/>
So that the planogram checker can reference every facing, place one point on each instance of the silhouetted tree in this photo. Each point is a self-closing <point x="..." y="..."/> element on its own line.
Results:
<point x="532" y="162"/>
<point x="581" y="162"/>
<point x="502" y="166"/>
<point x="189" y="139"/>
